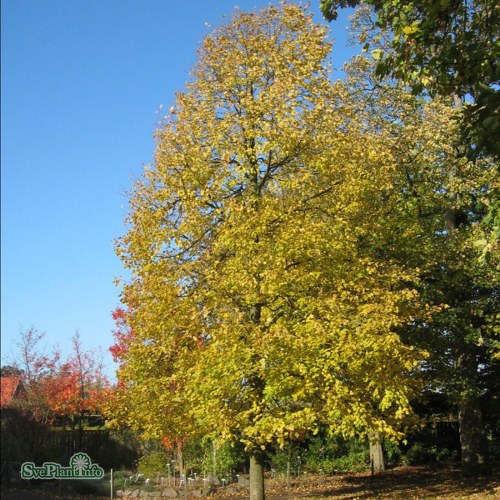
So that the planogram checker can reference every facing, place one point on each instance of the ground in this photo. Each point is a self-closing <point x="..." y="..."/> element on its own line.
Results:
<point x="398" y="483"/>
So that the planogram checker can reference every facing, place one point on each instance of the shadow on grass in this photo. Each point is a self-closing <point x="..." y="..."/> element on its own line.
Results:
<point x="402" y="482"/>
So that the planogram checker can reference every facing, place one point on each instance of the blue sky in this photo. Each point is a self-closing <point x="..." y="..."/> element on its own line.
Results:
<point x="82" y="86"/>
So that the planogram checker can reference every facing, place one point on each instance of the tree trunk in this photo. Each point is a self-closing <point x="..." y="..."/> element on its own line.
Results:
<point x="377" y="459"/>
<point x="214" y="457"/>
<point x="80" y="432"/>
<point x="473" y="442"/>
<point x="180" y="462"/>
<point x="257" y="476"/>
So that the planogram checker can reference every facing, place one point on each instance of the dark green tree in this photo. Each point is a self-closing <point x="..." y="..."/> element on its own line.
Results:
<point x="443" y="198"/>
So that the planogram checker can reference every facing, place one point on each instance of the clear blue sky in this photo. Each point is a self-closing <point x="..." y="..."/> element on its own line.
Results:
<point x="82" y="85"/>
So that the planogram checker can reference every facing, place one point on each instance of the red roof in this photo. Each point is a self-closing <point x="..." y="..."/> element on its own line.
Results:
<point x="9" y="388"/>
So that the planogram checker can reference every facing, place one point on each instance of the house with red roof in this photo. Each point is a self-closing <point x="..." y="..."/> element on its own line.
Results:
<point x="11" y="389"/>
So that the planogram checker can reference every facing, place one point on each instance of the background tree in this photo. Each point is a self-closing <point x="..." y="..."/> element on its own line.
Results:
<point x="448" y="47"/>
<point x="442" y="202"/>
<point x="78" y="388"/>
<point x="53" y="387"/>
<point x="122" y="335"/>
<point x="10" y="371"/>
<point x="257" y="310"/>
<point x="36" y="367"/>
<point x="25" y="422"/>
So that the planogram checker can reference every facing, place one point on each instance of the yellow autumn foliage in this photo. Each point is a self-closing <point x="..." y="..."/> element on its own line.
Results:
<point x="258" y="312"/>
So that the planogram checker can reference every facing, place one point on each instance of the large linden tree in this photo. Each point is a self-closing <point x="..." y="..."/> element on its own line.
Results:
<point x="257" y="311"/>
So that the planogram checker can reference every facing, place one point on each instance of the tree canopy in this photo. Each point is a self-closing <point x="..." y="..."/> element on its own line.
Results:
<point x="446" y="47"/>
<point x="258" y="309"/>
